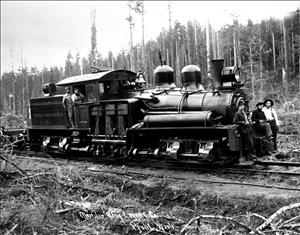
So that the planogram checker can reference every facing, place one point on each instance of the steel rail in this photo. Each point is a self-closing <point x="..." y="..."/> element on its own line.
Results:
<point x="214" y="169"/>
<point x="178" y="166"/>
<point x="277" y="163"/>
<point x="220" y="182"/>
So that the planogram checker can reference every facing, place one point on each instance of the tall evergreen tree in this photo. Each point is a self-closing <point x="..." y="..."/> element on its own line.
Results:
<point x="77" y="67"/>
<point x="93" y="52"/>
<point x="69" y="65"/>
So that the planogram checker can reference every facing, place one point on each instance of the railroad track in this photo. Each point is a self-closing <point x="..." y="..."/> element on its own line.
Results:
<point x="133" y="169"/>
<point x="219" y="169"/>
<point x="183" y="166"/>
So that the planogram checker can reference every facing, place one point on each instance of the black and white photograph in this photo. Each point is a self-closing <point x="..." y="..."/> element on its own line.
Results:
<point x="150" y="117"/>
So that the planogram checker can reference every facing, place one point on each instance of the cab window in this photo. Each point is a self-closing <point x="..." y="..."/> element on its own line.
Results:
<point x="81" y="89"/>
<point x="101" y="88"/>
<point x="90" y="93"/>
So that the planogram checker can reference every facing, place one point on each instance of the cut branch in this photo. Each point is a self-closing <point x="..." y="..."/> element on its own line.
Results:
<point x="22" y="172"/>
<point x="277" y="213"/>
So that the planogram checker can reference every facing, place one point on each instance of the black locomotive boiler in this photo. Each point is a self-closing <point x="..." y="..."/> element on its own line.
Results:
<point x="121" y="120"/>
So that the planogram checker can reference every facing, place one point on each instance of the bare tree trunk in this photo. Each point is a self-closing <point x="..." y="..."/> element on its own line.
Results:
<point x="239" y="62"/>
<point x="112" y="63"/>
<point x="285" y="59"/>
<point x="23" y="85"/>
<point x="274" y="52"/>
<point x="189" y="58"/>
<point x="150" y="77"/>
<point x="43" y="81"/>
<point x="163" y="46"/>
<point x="14" y="94"/>
<point x="27" y="92"/>
<point x="208" y="52"/>
<point x="143" y="36"/>
<point x="260" y="63"/>
<point x="131" y="42"/>
<point x="229" y="54"/>
<point x="251" y="72"/>
<point x="177" y="64"/>
<point x="284" y="82"/>
<point x="218" y="46"/>
<point x="12" y="106"/>
<point x="22" y="103"/>
<point x="168" y="62"/>
<point x="196" y="47"/>
<point x="234" y="48"/>
<point x="186" y="55"/>
<point x="293" y="46"/>
<point x="93" y="40"/>
<point x="213" y="39"/>
<point x="172" y="61"/>
<point x="285" y="46"/>
<point x="170" y="19"/>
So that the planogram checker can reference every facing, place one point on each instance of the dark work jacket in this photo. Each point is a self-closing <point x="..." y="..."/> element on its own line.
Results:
<point x="239" y="119"/>
<point x="258" y="115"/>
<point x="245" y="131"/>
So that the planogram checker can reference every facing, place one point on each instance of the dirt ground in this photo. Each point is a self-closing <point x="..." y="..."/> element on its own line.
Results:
<point x="65" y="197"/>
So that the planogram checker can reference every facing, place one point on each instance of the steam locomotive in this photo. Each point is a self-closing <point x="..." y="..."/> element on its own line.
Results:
<point x="121" y="120"/>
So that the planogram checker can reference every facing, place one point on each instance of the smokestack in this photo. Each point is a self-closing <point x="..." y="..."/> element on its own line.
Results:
<point x="216" y="69"/>
<point x="164" y="76"/>
<point x="191" y="77"/>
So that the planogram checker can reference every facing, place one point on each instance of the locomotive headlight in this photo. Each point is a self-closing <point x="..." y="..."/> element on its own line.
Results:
<point x="231" y="74"/>
<point x="237" y="76"/>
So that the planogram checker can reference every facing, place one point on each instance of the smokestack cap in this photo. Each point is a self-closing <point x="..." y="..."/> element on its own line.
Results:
<point x="163" y="75"/>
<point x="191" y="74"/>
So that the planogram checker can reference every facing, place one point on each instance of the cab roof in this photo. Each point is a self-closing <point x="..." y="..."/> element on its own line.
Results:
<point x="114" y="75"/>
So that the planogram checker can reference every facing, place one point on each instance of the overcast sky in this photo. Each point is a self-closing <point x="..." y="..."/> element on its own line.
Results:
<point x="46" y="31"/>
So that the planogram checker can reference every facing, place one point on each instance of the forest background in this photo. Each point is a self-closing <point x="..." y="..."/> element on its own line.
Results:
<point x="267" y="52"/>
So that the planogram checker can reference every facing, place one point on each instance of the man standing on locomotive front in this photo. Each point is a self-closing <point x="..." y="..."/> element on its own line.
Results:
<point x="68" y="105"/>
<point x="241" y="119"/>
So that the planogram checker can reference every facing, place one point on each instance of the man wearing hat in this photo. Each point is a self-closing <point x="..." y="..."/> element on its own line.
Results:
<point x="241" y="119"/>
<point x="261" y="126"/>
<point x="68" y="105"/>
<point x="140" y="79"/>
<point x="272" y="119"/>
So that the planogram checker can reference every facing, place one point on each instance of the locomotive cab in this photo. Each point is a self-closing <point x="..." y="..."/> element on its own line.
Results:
<point x="106" y="110"/>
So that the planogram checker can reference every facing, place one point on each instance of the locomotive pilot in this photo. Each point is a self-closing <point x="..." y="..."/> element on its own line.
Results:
<point x="241" y="119"/>
<point x="68" y="106"/>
